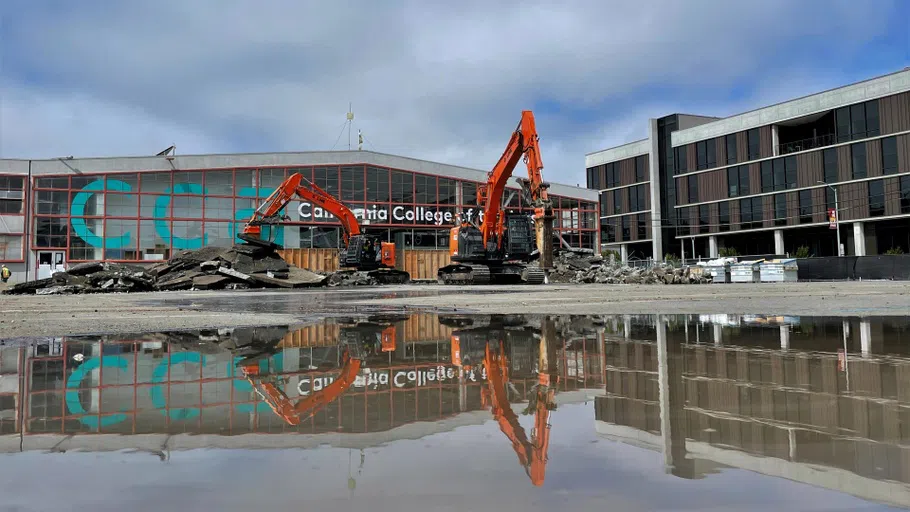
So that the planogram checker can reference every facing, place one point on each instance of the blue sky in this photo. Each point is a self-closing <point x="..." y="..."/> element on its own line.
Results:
<point x="427" y="79"/>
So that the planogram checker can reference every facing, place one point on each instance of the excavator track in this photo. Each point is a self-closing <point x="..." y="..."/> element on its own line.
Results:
<point x="390" y="276"/>
<point x="533" y="275"/>
<point x="463" y="274"/>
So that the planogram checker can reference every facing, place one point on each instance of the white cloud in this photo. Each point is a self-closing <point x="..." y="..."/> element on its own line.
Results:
<point x="427" y="79"/>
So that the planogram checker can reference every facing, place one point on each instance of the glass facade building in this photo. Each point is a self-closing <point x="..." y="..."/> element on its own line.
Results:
<point x="146" y="214"/>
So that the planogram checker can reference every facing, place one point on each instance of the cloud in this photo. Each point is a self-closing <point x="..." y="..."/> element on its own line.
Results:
<point x="427" y="79"/>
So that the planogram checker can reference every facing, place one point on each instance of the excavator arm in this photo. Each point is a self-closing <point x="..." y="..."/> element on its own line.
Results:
<point x="524" y="142"/>
<point x="532" y="455"/>
<point x="294" y="413"/>
<point x="297" y="185"/>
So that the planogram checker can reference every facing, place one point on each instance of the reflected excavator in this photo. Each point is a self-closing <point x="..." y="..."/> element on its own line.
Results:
<point x="357" y="342"/>
<point x="532" y="453"/>
<point x="362" y="252"/>
<point x="500" y="248"/>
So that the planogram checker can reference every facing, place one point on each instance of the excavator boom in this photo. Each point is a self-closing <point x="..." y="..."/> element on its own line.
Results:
<point x="297" y="185"/>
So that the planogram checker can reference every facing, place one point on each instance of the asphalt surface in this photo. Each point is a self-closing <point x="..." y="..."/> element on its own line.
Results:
<point x="88" y="314"/>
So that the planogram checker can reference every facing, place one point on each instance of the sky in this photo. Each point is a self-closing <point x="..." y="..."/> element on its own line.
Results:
<point x="428" y="79"/>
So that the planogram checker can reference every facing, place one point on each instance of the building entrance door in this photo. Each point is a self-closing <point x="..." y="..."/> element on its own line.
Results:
<point x="50" y="262"/>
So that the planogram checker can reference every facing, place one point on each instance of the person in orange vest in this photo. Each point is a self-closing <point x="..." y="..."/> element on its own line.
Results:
<point x="5" y="273"/>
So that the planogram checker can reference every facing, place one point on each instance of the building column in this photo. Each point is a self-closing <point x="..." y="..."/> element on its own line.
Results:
<point x="785" y="337"/>
<point x="778" y="241"/>
<point x="859" y="239"/>
<point x="712" y="246"/>
<point x="657" y="246"/>
<point x="775" y="140"/>
<point x="865" y="337"/>
<point x="624" y="253"/>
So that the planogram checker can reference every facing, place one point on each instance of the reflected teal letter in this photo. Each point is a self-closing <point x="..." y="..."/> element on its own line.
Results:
<point x="161" y="225"/>
<point x="242" y="215"/>
<point x="158" y="376"/>
<point x="75" y="380"/>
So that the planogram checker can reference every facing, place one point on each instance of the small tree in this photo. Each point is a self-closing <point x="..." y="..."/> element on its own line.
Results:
<point x="671" y="258"/>
<point x="607" y="253"/>
<point x="802" y="252"/>
<point x="728" y="252"/>
<point x="895" y="250"/>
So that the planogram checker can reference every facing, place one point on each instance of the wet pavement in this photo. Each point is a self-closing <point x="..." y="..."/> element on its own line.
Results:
<point x="451" y="411"/>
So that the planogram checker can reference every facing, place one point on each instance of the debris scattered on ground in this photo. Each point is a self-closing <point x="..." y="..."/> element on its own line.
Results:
<point x="583" y="266"/>
<point x="242" y="266"/>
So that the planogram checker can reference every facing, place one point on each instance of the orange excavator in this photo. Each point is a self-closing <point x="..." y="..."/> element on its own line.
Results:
<point x="532" y="453"/>
<point x="362" y="252"/>
<point x="499" y="249"/>
<point x="357" y="341"/>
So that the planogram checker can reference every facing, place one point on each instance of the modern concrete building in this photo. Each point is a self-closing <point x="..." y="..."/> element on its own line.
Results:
<point x="139" y="209"/>
<point x="765" y="181"/>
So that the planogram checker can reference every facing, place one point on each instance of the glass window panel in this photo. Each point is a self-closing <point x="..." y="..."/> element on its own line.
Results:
<point x="780" y="180"/>
<point x="617" y="201"/>
<point x="842" y="125"/>
<point x="889" y="155"/>
<point x="805" y="206"/>
<point x="187" y="229"/>
<point x="79" y="182"/>
<point x="731" y="148"/>
<point x="80" y="249"/>
<point x="219" y="208"/>
<point x="121" y="239"/>
<point x="55" y="182"/>
<point x="10" y="207"/>
<point x="147" y="204"/>
<point x="186" y="207"/>
<point x="151" y="245"/>
<point x="184" y="177"/>
<point x="905" y="194"/>
<point x="325" y="238"/>
<point x="219" y="234"/>
<point x="767" y="176"/>
<point x="780" y="209"/>
<point x="830" y="163"/>
<point x="53" y="203"/>
<point x="754" y="138"/>
<point x="723" y="213"/>
<point x="743" y="180"/>
<point x="403" y="188"/>
<point x="51" y="231"/>
<point x="352" y="183"/>
<point x="378" y="184"/>
<point x="876" y="198"/>
<point x="244" y="178"/>
<point x="712" y="153"/>
<point x="446" y="191"/>
<point x="790" y="165"/>
<point x="859" y="160"/>
<point x="132" y="180"/>
<point x="425" y="189"/>
<point x="272" y="178"/>
<point x="121" y="205"/>
<point x="858" y="120"/>
<point x="219" y="183"/>
<point x="11" y="247"/>
<point x="872" y="128"/>
<point x="155" y="182"/>
<point x="733" y="181"/>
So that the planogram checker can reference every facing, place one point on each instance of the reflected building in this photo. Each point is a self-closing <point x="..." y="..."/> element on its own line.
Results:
<point x="824" y="401"/>
<point x="167" y="384"/>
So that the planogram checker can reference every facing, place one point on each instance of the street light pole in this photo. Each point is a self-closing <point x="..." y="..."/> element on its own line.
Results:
<point x="836" y="216"/>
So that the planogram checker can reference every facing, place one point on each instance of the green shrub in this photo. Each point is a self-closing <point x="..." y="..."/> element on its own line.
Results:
<point x="727" y="252"/>
<point x="606" y="255"/>
<point x="895" y="250"/>
<point x="802" y="252"/>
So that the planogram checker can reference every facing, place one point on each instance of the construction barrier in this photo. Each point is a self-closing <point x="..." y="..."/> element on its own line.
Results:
<point x="420" y="263"/>
<point x="834" y="268"/>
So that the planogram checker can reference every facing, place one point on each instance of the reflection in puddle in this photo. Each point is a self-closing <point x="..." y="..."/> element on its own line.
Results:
<point x="819" y="401"/>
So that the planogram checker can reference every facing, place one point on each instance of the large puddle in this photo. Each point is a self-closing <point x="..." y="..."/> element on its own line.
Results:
<point x="464" y="412"/>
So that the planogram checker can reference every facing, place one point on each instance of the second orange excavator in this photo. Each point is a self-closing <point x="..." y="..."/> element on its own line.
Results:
<point x="362" y="252"/>
<point x="500" y="248"/>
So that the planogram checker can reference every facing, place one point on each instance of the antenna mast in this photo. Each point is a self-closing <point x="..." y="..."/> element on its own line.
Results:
<point x="350" y="121"/>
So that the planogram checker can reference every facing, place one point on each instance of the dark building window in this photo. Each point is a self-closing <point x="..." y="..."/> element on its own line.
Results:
<point x="750" y="211"/>
<point x="682" y="221"/>
<point x="426" y="189"/>
<point x="876" y="198"/>
<point x="378" y="185"/>
<point x="754" y="138"/>
<point x="469" y="193"/>
<point x="693" y="189"/>
<point x="857" y="121"/>
<point x="642" y="227"/>
<point x="640" y="173"/>
<point x="889" y="155"/>
<point x="326" y="178"/>
<point x="905" y="194"/>
<point x="859" y="160"/>
<point x="640" y="193"/>
<point x="403" y="187"/>
<point x="682" y="164"/>
<point x="603" y="204"/>
<point x="830" y="158"/>
<point x="612" y="175"/>
<point x="617" y="201"/>
<point x="780" y="209"/>
<point x="447" y="194"/>
<point x="594" y="177"/>
<point x="626" y="230"/>
<point x="706" y="152"/>
<point x="829" y="199"/>
<point x="731" y="148"/>
<point x="790" y="177"/>
<point x="352" y="184"/>
<point x="703" y="219"/>
<point x="767" y="177"/>
<point x="723" y="216"/>
<point x="805" y="206"/>
<point x="608" y="231"/>
<point x="738" y="181"/>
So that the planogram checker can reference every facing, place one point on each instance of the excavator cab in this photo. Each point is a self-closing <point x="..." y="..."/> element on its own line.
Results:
<point x="367" y="252"/>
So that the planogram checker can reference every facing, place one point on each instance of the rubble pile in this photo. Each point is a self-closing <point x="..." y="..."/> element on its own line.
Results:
<point x="239" y="267"/>
<point x="579" y="266"/>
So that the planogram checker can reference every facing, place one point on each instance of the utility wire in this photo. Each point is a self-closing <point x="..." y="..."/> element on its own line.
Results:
<point x="343" y="126"/>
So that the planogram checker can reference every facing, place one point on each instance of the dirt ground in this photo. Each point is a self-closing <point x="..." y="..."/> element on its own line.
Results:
<point x="87" y="314"/>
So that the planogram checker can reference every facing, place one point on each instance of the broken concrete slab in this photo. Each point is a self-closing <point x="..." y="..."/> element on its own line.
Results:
<point x="210" y="282"/>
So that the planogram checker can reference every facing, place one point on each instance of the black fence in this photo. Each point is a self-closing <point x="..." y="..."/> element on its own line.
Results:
<point x="835" y="268"/>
